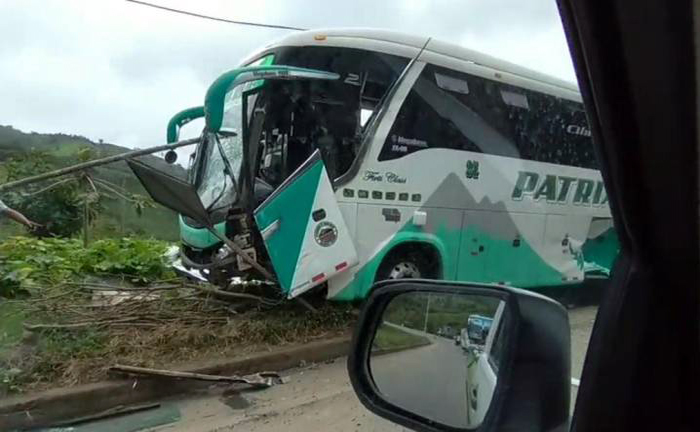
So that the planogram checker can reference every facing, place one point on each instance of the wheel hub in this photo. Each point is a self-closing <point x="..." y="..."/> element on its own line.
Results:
<point x="405" y="270"/>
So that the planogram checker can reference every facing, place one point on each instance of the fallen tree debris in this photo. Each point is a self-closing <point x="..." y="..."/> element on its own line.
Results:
<point x="259" y="380"/>
<point x="231" y="295"/>
<point x="111" y="287"/>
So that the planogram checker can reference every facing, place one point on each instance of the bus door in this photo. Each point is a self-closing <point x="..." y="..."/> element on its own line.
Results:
<point x="304" y="231"/>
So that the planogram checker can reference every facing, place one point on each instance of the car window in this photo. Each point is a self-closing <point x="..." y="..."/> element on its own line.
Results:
<point x="375" y="142"/>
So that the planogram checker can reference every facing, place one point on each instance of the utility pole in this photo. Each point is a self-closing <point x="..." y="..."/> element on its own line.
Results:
<point x="122" y="210"/>
<point x="86" y="215"/>
<point x="427" y="309"/>
<point x="97" y="162"/>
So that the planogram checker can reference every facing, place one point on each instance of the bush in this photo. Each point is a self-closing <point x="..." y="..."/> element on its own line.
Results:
<point x="60" y="209"/>
<point x="26" y="262"/>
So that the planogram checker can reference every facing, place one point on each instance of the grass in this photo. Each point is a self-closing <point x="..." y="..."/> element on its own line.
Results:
<point x="11" y="318"/>
<point x="9" y="228"/>
<point x="120" y="219"/>
<point x="392" y="338"/>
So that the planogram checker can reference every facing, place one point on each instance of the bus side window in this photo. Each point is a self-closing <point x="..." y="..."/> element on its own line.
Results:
<point x="419" y="125"/>
<point x="448" y="109"/>
<point x="444" y="109"/>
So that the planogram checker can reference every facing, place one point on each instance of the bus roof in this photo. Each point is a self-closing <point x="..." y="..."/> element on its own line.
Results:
<point x="392" y="42"/>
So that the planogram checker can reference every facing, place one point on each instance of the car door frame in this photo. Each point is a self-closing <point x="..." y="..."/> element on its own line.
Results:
<point x="634" y="64"/>
<point x="485" y="357"/>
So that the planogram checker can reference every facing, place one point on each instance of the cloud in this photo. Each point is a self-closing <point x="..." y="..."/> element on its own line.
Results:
<point x="117" y="71"/>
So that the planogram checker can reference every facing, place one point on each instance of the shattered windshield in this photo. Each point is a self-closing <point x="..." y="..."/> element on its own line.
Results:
<point x="224" y="156"/>
<point x="215" y="186"/>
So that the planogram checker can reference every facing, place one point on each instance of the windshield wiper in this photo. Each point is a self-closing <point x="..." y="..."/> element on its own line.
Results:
<point x="218" y="197"/>
<point x="228" y="171"/>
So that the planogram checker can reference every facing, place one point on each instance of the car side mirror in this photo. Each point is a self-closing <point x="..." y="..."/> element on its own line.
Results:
<point x="514" y="375"/>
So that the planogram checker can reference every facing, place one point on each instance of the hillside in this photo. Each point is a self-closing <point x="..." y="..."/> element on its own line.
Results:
<point x="119" y="218"/>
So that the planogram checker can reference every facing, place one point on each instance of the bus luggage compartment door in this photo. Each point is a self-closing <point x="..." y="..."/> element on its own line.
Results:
<point x="304" y="231"/>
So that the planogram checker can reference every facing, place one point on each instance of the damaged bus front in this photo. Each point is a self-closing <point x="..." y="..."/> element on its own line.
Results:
<point x="258" y="176"/>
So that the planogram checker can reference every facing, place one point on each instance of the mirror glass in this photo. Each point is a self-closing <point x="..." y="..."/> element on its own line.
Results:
<point x="437" y="355"/>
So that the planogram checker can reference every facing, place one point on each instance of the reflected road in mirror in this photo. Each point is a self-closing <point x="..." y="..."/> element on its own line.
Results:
<point x="428" y="380"/>
<point x="437" y="355"/>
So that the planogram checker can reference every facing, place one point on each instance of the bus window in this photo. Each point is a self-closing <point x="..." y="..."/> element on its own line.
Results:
<point x="365" y="114"/>
<point x="342" y="108"/>
<point x="557" y="132"/>
<point x="438" y="113"/>
<point x="447" y="109"/>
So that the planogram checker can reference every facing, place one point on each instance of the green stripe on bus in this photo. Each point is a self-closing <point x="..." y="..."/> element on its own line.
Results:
<point x="199" y="238"/>
<point x="466" y="267"/>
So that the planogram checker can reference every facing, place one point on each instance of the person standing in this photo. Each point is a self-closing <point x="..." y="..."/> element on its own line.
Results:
<point x="17" y="216"/>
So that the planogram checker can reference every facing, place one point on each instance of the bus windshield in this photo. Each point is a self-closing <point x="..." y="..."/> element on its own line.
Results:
<point x="216" y="187"/>
<point x="223" y="156"/>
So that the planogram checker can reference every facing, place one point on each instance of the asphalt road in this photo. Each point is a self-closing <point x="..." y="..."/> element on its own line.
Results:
<point x="320" y="397"/>
<point x="429" y="380"/>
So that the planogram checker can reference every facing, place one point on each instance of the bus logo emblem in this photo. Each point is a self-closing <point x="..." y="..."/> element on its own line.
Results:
<point x="472" y="169"/>
<point x="325" y="234"/>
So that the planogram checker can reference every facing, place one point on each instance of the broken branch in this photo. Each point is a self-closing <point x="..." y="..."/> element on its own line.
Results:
<point x="229" y="295"/>
<point x="254" y="380"/>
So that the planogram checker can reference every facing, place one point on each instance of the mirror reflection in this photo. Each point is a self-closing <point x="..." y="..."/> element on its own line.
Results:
<point x="437" y="354"/>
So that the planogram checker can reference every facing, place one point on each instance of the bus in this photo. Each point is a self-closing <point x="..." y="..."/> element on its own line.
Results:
<point x="478" y="328"/>
<point x="337" y="158"/>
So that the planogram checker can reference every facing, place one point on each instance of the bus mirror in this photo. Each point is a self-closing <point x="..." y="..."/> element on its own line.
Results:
<point x="180" y="119"/>
<point x="255" y="76"/>
<point x="171" y="156"/>
<point x="412" y="362"/>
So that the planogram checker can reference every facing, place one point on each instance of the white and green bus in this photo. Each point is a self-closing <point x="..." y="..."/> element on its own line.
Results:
<point x="337" y="158"/>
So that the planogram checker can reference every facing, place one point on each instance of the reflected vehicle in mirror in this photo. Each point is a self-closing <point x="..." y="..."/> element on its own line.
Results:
<point x="338" y="159"/>
<point x="478" y="328"/>
<point x="403" y="368"/>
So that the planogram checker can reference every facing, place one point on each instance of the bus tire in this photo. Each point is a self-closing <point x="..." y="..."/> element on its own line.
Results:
<point x="408" y="263"/>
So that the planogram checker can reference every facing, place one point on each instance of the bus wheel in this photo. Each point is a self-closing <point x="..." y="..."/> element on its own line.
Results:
<point x="401" y="266"/>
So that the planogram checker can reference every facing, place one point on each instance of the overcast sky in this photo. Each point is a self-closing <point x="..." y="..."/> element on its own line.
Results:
<point x="118" y="71"/>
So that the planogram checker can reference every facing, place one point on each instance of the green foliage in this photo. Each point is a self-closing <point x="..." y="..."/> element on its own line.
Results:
<point x="10" y="381"/>
<point x="391" y="338"/>
<point x="11" y="317"/>
<point x="444" y="310"/>
<point x="27" y="262"/>
<point x="61" y="150"/>
<point x="141" y="259"/>
<point x="59" y="209"/>
<point x="74" y="344"/>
